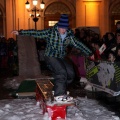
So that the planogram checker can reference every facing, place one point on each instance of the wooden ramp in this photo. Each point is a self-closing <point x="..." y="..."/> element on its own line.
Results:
<point x="28" y="58"/>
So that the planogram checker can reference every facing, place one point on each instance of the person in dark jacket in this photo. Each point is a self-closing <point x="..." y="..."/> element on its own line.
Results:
<point x="58" y="38"/>
<point x="117" y="51"/>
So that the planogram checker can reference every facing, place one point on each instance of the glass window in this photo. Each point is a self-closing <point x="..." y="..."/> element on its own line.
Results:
<point x="52" y="23"/>
<point x="116" y="21"/>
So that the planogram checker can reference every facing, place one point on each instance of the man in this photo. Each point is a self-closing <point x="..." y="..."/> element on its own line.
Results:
<point x="58" y="38"/>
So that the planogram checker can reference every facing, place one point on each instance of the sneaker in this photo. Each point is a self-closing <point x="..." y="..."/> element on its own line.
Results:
<point x="63" y="99"/>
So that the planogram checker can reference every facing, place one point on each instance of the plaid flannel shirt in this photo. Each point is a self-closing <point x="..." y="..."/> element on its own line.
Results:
<point x="55" y="46"/>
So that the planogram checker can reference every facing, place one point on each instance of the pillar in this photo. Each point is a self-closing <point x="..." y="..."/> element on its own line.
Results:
<point x="92" y="13"/>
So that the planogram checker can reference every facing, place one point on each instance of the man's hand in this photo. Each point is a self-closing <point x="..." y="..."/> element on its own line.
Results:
<point x="15" y="32"/>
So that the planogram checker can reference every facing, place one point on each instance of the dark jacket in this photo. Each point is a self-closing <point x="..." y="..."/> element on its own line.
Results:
<point x="55" y="46"/>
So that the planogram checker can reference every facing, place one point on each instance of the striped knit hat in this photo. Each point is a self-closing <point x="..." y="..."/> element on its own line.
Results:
<point x="63" y="22"/>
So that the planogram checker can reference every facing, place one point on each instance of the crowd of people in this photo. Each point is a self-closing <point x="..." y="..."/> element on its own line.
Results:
<point x="9" y="50"/>
<point x="110" y="40"/>
<point x="61" y="39"/>
<point x="8" y="54"/>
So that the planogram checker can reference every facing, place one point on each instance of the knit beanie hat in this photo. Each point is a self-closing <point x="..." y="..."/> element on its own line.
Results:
<point x="63" y="22"/>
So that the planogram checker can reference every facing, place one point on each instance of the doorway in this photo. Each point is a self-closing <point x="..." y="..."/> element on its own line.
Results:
<point x="53" y="12"/>
<point x="114" y="15"/>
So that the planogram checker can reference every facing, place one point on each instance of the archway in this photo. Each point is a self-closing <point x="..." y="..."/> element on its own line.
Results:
<point x="114" y="14"/>
<point x="53" y="11"/>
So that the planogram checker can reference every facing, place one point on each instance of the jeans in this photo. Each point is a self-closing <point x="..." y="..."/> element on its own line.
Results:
<point x="63" y="73"/>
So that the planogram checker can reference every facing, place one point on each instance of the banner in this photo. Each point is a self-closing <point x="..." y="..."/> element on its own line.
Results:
<point x="104" y="75"/>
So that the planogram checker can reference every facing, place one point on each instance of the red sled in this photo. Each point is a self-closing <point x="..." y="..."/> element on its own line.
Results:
<point x="56" y="112"/>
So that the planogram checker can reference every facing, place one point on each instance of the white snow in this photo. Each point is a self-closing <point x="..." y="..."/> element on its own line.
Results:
<point x="28" y="109"/>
